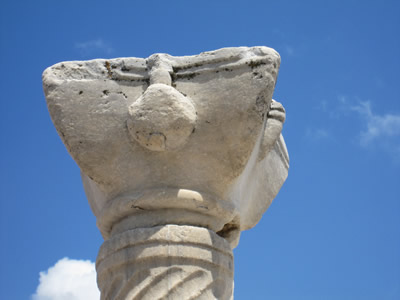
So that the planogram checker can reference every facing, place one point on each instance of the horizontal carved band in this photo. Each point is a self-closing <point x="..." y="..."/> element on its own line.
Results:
<point x="160" y="207"/>
<point x="139" y="69"/>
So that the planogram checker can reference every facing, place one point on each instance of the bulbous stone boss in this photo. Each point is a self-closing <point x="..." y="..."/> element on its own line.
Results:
<point x="178" y="156"/>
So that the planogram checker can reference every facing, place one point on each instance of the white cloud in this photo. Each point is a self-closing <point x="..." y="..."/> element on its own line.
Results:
<point x="378" y="126"/>
<point x="93" y="45"/>
<point x="68" y="279"/>
<point x="380" y="131"/>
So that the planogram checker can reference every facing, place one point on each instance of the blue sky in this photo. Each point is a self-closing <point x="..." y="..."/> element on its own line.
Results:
<point x="332" y="233"/>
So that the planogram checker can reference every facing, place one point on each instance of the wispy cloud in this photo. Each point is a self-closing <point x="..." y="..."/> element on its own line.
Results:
<point x="378" y="130"/>
<point x="97" y="45"/>
<point x="322" y="106"/>
<point x="68" y="279"/>
<point x="377" y="126"/>
<point x="380" y="83"/>
<point x="317" y="133"/>
<point x="289" y="50"/>
<point x="375" y="130"/>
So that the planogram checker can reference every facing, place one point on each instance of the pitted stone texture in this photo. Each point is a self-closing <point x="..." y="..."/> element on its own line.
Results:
<point x="166" y="262"/>
<point x="197" y="132"/>
<point x="162" y="118"/>
<point x="193" y="141"/>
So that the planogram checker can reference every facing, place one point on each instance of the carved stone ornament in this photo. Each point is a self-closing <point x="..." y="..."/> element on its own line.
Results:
<point x="178" y="155"/>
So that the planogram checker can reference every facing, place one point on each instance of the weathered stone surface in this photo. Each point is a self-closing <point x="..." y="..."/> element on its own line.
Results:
<point x="192" y="141"/>
<point x="162" y="118"/>
<point x="165" y="262"/>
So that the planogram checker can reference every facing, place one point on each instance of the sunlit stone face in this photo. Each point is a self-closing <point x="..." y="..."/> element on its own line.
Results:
<point x="168" y="123"/>
<point x="178" y="155"/>
<point x="162" y="119"/>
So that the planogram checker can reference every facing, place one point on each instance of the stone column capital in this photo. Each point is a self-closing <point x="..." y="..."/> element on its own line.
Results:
<point x="186" y="141"/>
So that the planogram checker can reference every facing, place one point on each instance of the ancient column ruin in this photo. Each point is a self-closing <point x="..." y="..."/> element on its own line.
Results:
<point x="178" y="155"/>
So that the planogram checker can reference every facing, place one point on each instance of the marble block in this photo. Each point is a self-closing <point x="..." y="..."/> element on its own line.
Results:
<point x="178" y="155"/>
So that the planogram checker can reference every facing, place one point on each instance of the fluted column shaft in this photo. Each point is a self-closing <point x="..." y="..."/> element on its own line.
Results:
<point x="165" y="262"/>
